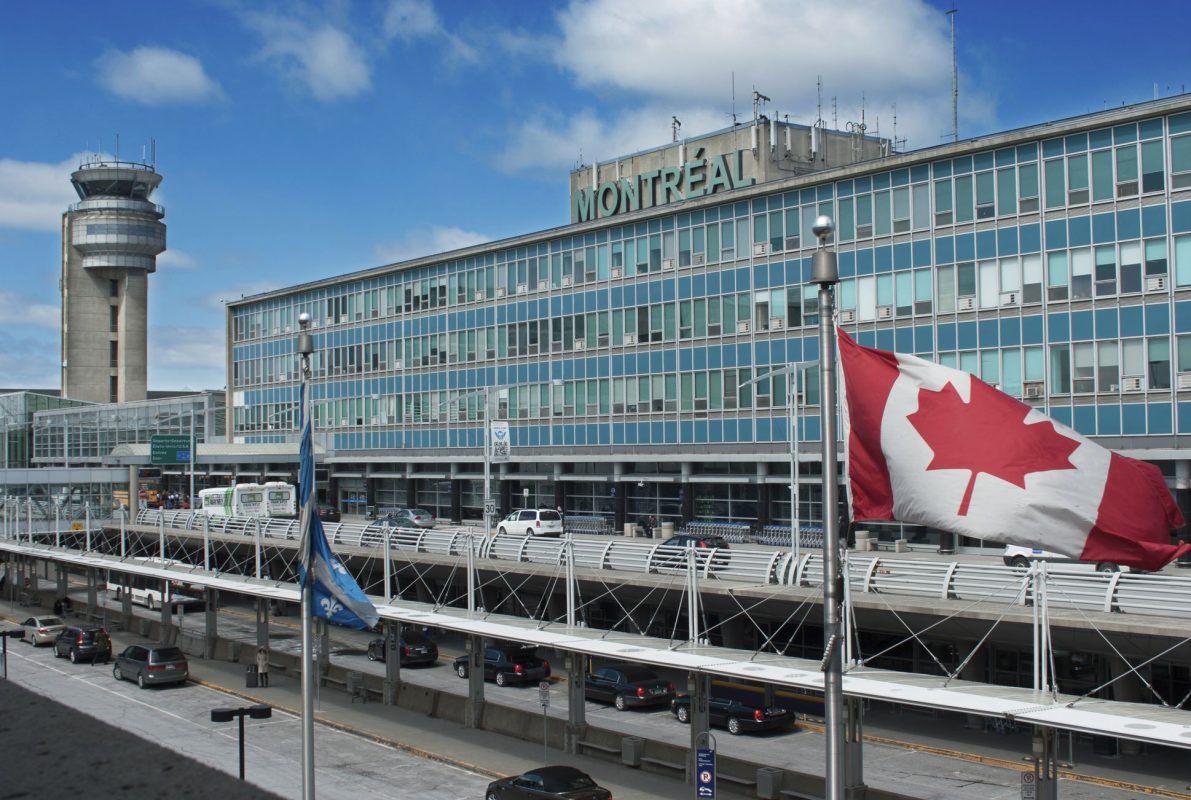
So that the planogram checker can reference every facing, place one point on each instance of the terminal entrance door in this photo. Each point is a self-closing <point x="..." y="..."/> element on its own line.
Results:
<point x="353" y="499"/>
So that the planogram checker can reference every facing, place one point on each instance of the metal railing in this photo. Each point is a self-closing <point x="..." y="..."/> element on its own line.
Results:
<point x="1067" y="587"/>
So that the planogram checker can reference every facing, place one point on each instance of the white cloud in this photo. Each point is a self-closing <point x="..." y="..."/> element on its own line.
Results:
<point x="34" y="195"/>
<point x="186" y="358"/>
<point x="410" y="20"/>
<point x="156" y="76"/>
<point x="175" y="259"/>
<point x="684" y="55"/>
<point x="20" y="310"/>
<point x="427" y="241"/>
<point x="327" y="60"/>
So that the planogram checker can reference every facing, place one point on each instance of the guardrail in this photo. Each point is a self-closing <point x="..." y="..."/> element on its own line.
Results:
<point x="1067" y="587"/>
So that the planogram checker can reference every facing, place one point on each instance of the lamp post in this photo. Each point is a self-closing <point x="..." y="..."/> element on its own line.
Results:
<point x="305" y="348"/>
<point x="793" y="402"/>
<point x="16" y="633"/>
<point x="228" y="714"/>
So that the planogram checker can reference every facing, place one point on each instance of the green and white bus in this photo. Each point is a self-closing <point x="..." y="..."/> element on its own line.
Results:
<point x="273" y="499"/>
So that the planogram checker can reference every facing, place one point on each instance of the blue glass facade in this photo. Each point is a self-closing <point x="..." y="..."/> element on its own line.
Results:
<point x="1054" y="262"/>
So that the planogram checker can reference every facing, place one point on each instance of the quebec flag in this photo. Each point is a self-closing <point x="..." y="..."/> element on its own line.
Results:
<point x="337" y="597"/>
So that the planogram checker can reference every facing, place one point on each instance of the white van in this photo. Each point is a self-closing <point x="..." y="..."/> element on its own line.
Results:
<point x="1016" y="556"/>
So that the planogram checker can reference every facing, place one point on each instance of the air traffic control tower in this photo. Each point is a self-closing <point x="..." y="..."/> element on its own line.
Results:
<point x="110" y="243"/>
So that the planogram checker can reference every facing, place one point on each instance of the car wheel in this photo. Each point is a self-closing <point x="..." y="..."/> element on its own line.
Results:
<point x="500" y="679"/>
<point x="491" y="796"/>
<point x="684" y="714"/>
<point x="371" y="656"/>
<point x="461" y="670"/>
<point x="119" y="595"/>
<point x="1107" y="566"/>
<point x="152" y="606"/>
<point x="140" y="680"/>
<point x="733" y="726"/>
<point x="1020" y="561"/>
<point x="500" y="531"/>
<point x="74" y="656"/>
<point x="620" y="703"/>
<point x="529" y="531"/>
<point x="117" y="673"/>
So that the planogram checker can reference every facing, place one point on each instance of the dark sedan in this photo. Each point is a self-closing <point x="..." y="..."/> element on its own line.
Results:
<point x="543" y="782"/>
<point x="328" y="513"/>
<point x="627" y="686"/>
<point x="414" y="648"/>
<point x="738" y="717"/>
<point x="506" y="663"/>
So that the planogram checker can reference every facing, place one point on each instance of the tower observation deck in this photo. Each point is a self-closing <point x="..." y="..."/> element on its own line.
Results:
<point x="110" y="242"/>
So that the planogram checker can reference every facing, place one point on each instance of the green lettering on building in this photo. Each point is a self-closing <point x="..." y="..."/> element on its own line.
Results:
<point x="659" y="187"/>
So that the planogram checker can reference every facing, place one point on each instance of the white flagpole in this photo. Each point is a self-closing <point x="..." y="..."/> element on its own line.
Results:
<point x="825" y="272"/>
<point x="305" y="349"/>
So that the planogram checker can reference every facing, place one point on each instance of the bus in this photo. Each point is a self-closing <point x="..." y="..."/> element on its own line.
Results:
<point x="273" y="499"/>
<point x="150" y="592"/>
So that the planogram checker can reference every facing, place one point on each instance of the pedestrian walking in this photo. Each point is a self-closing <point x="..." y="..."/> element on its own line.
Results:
<point x="262" y="666"/>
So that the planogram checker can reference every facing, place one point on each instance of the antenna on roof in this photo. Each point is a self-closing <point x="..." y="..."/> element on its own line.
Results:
<point x="819" y="94"/>
<point x="954" y="81"/>
<point x="675" y="127"/>
<point x="734" y="98"/>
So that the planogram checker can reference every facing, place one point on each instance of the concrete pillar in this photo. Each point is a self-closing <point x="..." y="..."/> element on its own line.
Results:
<point x="134" y="491"/>
<point x="1127" y="687"/>
<point x="1182" y="496"/>
<point x="473" y="714"/>
<point x="92" y="591"/>
<point x="392" y="685"/>
<point x="211" y="623"/>
<point x="167" y="617"/>
<point x="576" y="701"/>
<point x="370" y="491"/>
<point x="61" y="575"/>
<point x="560" y="495"/>
<point x="262" y="623"/>
<point x="853" y="747"/>
<point x="686" y="494"/>
<point x="1046" y="763"/>
<point x="975" y="670"/>
<point x="126" y="602"/>
<point x="621" y="501"/>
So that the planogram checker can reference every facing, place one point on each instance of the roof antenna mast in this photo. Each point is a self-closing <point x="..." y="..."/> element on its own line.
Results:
<point x="954" y="81"/>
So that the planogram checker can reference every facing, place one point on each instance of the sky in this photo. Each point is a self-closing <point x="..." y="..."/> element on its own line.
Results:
<point x="301" y="140"/>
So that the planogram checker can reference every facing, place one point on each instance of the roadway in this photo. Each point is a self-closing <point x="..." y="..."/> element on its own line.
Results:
<point x="906" y="753"/>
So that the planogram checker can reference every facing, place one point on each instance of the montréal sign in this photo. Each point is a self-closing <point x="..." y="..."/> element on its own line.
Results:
<point x="659" y="187"/>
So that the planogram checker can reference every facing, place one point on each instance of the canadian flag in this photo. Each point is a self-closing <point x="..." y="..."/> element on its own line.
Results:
<point x="935" y="446"/>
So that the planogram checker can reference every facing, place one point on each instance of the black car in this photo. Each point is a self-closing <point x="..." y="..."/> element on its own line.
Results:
<point x="328" y="513"/>
<point x="627" y="686"/>
<point x="737" y="716"/>
<point x="415" y="649"/>
<point x="697" y="540"/>
<point x="83" y="643"/>
<point x="506" y="663"/>
<point x="562" y="782"/>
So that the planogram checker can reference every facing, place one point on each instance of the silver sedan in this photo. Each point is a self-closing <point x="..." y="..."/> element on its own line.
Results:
<point x="42" y="630"/>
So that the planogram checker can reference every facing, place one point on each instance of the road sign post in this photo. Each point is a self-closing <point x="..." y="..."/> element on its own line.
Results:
<point x="544" y="699"/>
<point x="1029" y="786"/>
<point x="705" y="772"/>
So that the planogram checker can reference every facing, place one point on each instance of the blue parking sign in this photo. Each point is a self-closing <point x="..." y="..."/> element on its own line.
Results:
<point x="704" y="772"/>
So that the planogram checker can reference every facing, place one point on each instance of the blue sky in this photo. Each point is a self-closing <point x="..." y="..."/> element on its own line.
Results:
<point x="301" y="140"/>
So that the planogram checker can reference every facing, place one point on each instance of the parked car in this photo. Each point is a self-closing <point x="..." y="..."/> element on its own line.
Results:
<point x="409" y="518"/>
<point x="1015" y="556"/>
<point x="83" y="643"/>
<point x="544" y="782"/>
<point x="328" y="513"/>
<point x="735" y="715"/>
<point x="697" y="540"/>
<point x="42" y="630"/>
<point x="532" y="522"/>
<point x="627" y="686"/>
<point x="414" y="647"/>
<point x="508" y="662"/>
<point x="151" y="665"/>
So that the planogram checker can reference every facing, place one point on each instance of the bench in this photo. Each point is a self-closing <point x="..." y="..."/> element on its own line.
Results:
<point x="601" y="747"/>
<point x="661" y="762"/>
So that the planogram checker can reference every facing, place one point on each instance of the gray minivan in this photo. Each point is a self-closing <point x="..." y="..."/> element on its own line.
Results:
<point x="151" y="665"/>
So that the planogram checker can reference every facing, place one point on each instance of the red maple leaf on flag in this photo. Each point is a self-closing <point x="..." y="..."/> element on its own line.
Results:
<point x="987" y="434"/>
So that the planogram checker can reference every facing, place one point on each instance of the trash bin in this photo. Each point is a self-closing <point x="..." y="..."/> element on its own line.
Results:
<point x="666" y="532"/>
<point x="769" y="783"/>
<point x="631" y="750"/>
<point x="252" y="678"/>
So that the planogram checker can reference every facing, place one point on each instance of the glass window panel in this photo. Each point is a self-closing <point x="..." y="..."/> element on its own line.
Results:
<point x="883" y="225"/>
<point x="1182" y="260"/>
<point x="1155" y="257"/>
<point x="1007" y="191"/>
<point x="1056" y="196"/>
<point x="1159" y="348"/>
<point x="1081" y="273"/>
<point x="1033" y="364"/>
<point x="1060" y="369"/>
<point x="988" y="284"/>
<point x="1108" y="373"/>
<point x="1011" y="372"/>
<point x="921" y="206"/>
<point x="963" y="198"/>
<point x="1180" y="154"/>
<point x="1153" y="174"/>
<point x="1132" y="358"/>
<point x="946" y="298"/>
<point x="1102" y="183"/>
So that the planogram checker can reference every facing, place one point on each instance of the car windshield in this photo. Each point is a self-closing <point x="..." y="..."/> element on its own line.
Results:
<point x="549" y="516"/>
<point x="419" y="512"/>
<point x="166" y="654"/>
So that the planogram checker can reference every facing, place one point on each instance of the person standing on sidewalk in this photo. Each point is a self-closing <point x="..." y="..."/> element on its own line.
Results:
<point x="262" y="666"/>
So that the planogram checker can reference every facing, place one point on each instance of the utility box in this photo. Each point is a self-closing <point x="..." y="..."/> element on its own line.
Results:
<point x="769" y="783"/>
<point x="631" y="750"/>
<point x="666" y="530"/>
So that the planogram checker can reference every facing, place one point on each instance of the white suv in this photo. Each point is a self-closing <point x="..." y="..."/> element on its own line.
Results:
<point x="1016" y="556"/>
<point x="532" y="522"/>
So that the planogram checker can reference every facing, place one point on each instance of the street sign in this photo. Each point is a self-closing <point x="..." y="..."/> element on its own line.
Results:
<point x="1028" y="786"/>
<point x="705" y="772"/>
<point x="169" y="449"/>
<point x="544" y="694"/>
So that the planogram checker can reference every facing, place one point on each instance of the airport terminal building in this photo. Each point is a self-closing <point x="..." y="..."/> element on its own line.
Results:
<point x="631" y="352"/>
